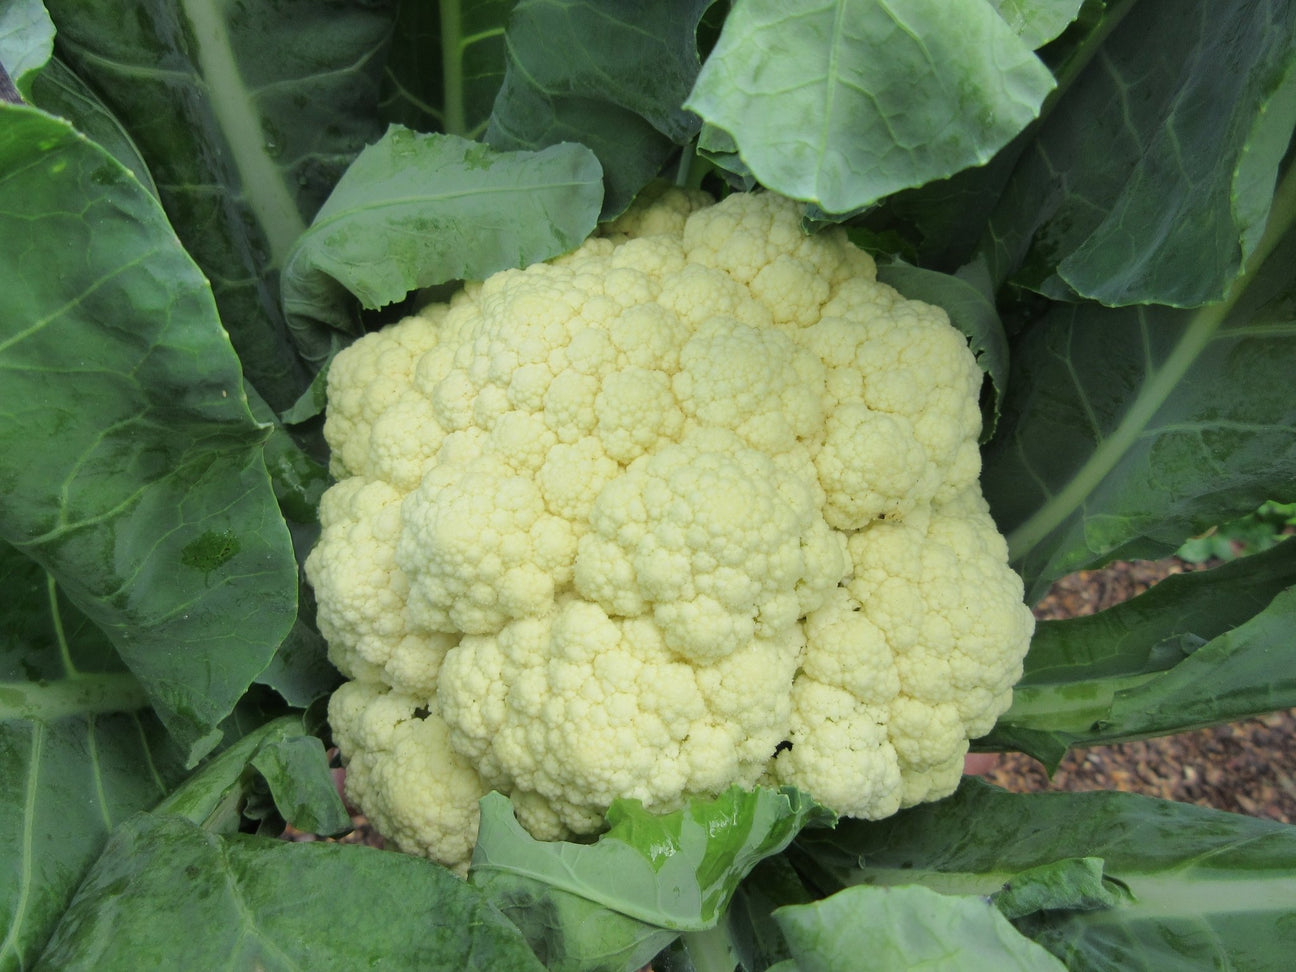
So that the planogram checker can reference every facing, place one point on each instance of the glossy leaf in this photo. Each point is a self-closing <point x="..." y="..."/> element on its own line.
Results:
<point x="247" y="114"/>
<point x="1200" y="889"/>
<point x="610" y="75"/>
<point x="843" y="102"/>
<point x="154" y="512"/>
<point x="417" y="210"/>
<point x="165" y="889"/>
<point x="79" y="752"/>
<point x="1127" y="431"/>
<point x="1151" y="181"/>
<point x="648" y="878"/>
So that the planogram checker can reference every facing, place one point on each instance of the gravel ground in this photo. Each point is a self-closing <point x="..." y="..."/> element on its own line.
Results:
<point x="1245" y="767"/>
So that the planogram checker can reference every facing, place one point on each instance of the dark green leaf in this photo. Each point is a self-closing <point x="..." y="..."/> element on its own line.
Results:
<point x="247" y="114"/>
<point x="417" y="210"/>
<point x="1124" y="432"/>
<point x="1197" y="649"/>
<point x="60" y="92"/>
<point x="907" y="928"/>
<point x="79" y="752"/>
<point x="1206" y="889"/>
<point x="755" y="935"/>
<point x="1151" y="181"/>
<point x="154" y="511"/>
<point x="843" y="102"/>
<point x="296" y="770"/>
<point x="610" y="75"/>
<point x="167" y="892"/>
<point x="289" y="761"/>
<point x="446" y="65"/>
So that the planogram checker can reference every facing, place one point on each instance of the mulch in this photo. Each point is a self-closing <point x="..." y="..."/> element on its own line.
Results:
<point x="1245" y="767"/>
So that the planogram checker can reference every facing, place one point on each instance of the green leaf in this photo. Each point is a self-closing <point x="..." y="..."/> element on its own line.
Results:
<point x="1151" y="181"/>
<point x="60" y="92"/>
<point x="1198" y="649"/>
<point x="300" y="670"/>
<point x="296" y="770"/>
<point x="79" y="752"/>
<point x="749" y="921"/>
<point x="843" y="102"/>
<point x="446" y="65"/>
<point x="154" y="511"/>
<point x="416" y="210"/>
<point x="1071" y="884"/>
<point x="166" y="889"/>
<point x="611" y="74"/>
<point x="291" y="763"/>
<point x="965" y="299"/>
<point x="1127" y="431"/>
<point x="620" y="900"/>
<point x="907" y="928"/>
<point x="1206" y="889"/>
<point x="26" y="41"/>
<point x="1037" y="22"/>
<point x="245" y="131"/>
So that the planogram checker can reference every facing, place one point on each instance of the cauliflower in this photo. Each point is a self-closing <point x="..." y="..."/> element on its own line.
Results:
<point x="694" y="505"/>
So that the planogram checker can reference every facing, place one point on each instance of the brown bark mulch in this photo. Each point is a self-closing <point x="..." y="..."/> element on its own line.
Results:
<point x="1246" y="767"/>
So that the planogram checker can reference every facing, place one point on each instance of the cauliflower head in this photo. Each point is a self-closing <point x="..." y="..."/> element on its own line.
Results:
<point x="694" y="505"/>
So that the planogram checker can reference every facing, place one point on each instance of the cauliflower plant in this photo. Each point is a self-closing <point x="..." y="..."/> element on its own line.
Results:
<point x="694" y="505"/>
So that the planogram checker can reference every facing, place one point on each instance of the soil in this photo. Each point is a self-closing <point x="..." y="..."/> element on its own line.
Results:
<point x="1246" y="767"/>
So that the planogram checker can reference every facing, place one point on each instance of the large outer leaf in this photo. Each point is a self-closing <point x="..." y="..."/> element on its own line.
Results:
<point x="842" y="102"/>
<point x="1151" y="181"/>
<point x="79" y="752"/>
<point x="446" y="65"/>
<point x="1200" y="648"/>
<point x="417" y="210"/>
<point x="611" y="75"/>
<point x="165" y="892"/>
<point x="247" y="114"/>
<point x="1207" y="890"/>
<point x="60" y="92"/>
<point x="1124" y="432"/>
<point x="129" y="462"/>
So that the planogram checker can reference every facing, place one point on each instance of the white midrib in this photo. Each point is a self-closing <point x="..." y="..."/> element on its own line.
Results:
<point x="1160" y="384"/>
<point x="262" y="179"/>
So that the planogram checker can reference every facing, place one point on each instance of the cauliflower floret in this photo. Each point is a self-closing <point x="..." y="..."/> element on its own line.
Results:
<point x="419" y="792"/>
<point x="693" y="505"/>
